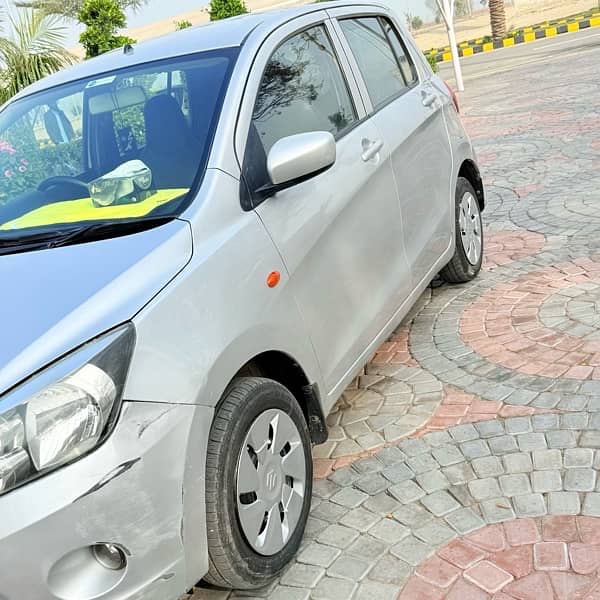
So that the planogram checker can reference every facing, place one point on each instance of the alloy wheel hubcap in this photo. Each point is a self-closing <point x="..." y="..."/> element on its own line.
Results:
<point x="271" y="482"/>
<point x="469" y="221"/>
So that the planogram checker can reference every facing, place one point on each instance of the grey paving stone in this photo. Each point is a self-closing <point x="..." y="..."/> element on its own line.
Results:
<point x="381" y="504"/>
<point x="343" y="477"/>
<point x="360" y="519"/>
<point x="374" y="590"/>
<point x="390" y="456"/>
<point x="367" y="548"/>
<point x="545" y="422"/>
<point x="414" y="447"/>
<point x="413" y="516"/>
<point x="561" y="439"/>
<point x="531" y="441"/>
<point x="422" y="463"/>
<point x="397" y="473"/>
<point x="464" y="521"/>
<point x="349" y="497"/>
<point x="440" y="503"/>
<point x="412" y="550"/>
<point x="578" y="457"/>
<point x="516" y="425"/>
<point x="406" y="491"/>
<point x="462" y="494"/>
<point x="349" y="567"/>
<point x="482" y="489"/>
<point x="591" y="504"/>
<point x="503" y="444"/>
<point x="497" y="510"/>
<point x="435" y="533"/>
<point x="302" y="575"/>
<point x="447" y="455"/>
<point x="330" y="588"/>
<point x="590" y="439"/>
<point x="433" y="481"/>
<point x="529" y="505"/>
<point x="475" y="449"/>
<point x="574" y="421"/>
<point x="490" y="428"/>
<point x="314" y="527"/>
<point x="518" y="463"/>
<point x="547" y="459"/>
<point x="338" y="536"/>
<point x="488" y="466"/>
<point x="464" y="433"/>
<point x="329" y="511"/>
<point x="324" y="488"/>
<point x="514" y="485"/>
<point x="546" y="481"/>
<point x="318" y="555"/>
<point x="372" y="484"/>
<point x="580" y="480"/>
<point x="563" y="503"/>
<point x="390" y="570"/>
<point x="459" y="473"/>
<point x="370" y="464"/>
<point x="284" y="592"/>
<point x="389" y="531"/>
<point x="437" y="438"/>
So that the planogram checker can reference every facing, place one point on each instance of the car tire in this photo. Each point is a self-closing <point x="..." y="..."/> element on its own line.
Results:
<point x="258" y="459"/>
<point x="468" y="255"/>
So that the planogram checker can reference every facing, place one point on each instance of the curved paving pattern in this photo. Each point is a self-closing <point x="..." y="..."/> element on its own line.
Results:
<point x="464" y="463"/>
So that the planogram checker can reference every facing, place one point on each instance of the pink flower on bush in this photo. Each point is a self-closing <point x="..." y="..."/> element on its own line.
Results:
<point x="24" y="161"/>
<point x="6" y="147"/>
<point x="22" y="169"/>
<point x="8" y="173"/>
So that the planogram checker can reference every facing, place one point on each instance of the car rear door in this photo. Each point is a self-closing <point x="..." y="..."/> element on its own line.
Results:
<point x="339" y="233"/>
<point x="407" y="111"/>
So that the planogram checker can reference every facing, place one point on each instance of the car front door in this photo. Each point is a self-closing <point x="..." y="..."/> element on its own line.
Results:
<point x="408" y="113"/>
<point x="339" y="233"/>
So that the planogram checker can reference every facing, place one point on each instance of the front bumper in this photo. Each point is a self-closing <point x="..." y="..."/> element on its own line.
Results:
<point x="128" y="492"/>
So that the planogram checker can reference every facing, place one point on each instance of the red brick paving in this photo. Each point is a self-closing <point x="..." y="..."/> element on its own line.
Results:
<point x="504" y="247"/>
<point x="502" y="325"/>
<point x="518" y="560"/>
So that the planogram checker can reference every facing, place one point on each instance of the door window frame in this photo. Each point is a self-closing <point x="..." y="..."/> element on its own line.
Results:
<point x="341" y="14"/>
<point x="269" y="46"/>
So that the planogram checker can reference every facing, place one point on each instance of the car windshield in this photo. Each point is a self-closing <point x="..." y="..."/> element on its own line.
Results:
<point x="127" y="145"/>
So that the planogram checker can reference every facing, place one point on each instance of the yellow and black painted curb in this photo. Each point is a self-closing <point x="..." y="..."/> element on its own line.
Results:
<point x="528" y="34"/>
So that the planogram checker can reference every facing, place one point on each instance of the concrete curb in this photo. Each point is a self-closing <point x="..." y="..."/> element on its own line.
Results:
<point x="529" y="34"/>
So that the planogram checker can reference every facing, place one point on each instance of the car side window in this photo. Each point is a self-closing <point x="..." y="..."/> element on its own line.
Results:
<point x="380" y="66"/>
<point x="402" y="55"/>
<point x="302" y="90"/>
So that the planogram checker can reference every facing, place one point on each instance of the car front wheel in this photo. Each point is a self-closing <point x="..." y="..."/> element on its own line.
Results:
<point x="258" y="483"/>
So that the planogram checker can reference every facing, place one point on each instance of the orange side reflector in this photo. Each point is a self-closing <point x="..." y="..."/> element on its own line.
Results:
<point x="273" y="278"/>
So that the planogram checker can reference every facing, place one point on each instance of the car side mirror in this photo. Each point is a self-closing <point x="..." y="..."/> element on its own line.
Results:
<point x="299" y="157"/>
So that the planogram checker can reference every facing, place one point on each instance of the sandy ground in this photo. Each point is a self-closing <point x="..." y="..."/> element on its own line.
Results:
<point x="520" y="16"/>
<point x="432" y="36"/>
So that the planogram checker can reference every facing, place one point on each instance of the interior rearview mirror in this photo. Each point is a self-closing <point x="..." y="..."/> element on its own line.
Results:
<point x="298" y="157"/>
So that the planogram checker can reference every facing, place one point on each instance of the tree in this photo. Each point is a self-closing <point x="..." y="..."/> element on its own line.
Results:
<point x="103" y="19"/>
<point x="185" y="24"/>
<point x="71" y="8"/>
<point x="462" y="8"/>
<point x="32" y="50"/>
<point x="221" y="9"/>
<point x="497" y="19"/>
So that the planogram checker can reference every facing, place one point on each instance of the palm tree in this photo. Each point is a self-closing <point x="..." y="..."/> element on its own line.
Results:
<point x="497" y="19"/>
<point x="32" y="50"/>
<point x="71" y="8"/>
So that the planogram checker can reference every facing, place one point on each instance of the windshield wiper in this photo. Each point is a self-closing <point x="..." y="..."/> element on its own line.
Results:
<point x="56" y="238"/>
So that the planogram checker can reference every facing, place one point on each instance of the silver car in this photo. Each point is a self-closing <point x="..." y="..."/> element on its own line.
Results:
<point x="203" y="239"/>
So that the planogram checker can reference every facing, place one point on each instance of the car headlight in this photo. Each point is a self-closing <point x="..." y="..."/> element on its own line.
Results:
<point x="64" y="411"/>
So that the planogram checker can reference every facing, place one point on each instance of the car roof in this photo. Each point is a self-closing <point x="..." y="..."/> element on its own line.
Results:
<point x="226" y="33"/>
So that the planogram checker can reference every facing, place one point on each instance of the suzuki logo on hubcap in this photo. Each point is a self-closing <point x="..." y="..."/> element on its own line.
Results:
<point x="271" y="480"/>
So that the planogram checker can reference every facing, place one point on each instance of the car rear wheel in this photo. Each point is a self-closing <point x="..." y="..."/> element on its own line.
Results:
<point x="468" y="256"/>
<point x="258" y="483"/>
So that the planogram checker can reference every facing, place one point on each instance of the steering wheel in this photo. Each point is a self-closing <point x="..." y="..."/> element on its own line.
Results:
<point x="54" y="181"/>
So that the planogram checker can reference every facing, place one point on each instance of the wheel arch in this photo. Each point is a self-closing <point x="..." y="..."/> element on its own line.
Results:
<point x="284" y="369"/>
<point x="470" y="172"/>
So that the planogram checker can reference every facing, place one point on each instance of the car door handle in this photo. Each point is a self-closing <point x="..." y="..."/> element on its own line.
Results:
<point x="429" y="100"/>
<point x="370" y="149"/>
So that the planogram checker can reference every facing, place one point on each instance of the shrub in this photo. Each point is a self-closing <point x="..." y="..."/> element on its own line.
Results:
<point x="185" y="24"/>
<point x="222" y="9"/>
<point x="432" y="62"/>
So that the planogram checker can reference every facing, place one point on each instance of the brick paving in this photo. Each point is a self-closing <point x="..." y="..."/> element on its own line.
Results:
<point x="462" y="465"/>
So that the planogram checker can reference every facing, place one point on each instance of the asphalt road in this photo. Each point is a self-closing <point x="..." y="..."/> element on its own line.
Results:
<point x="500" y="61"/>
